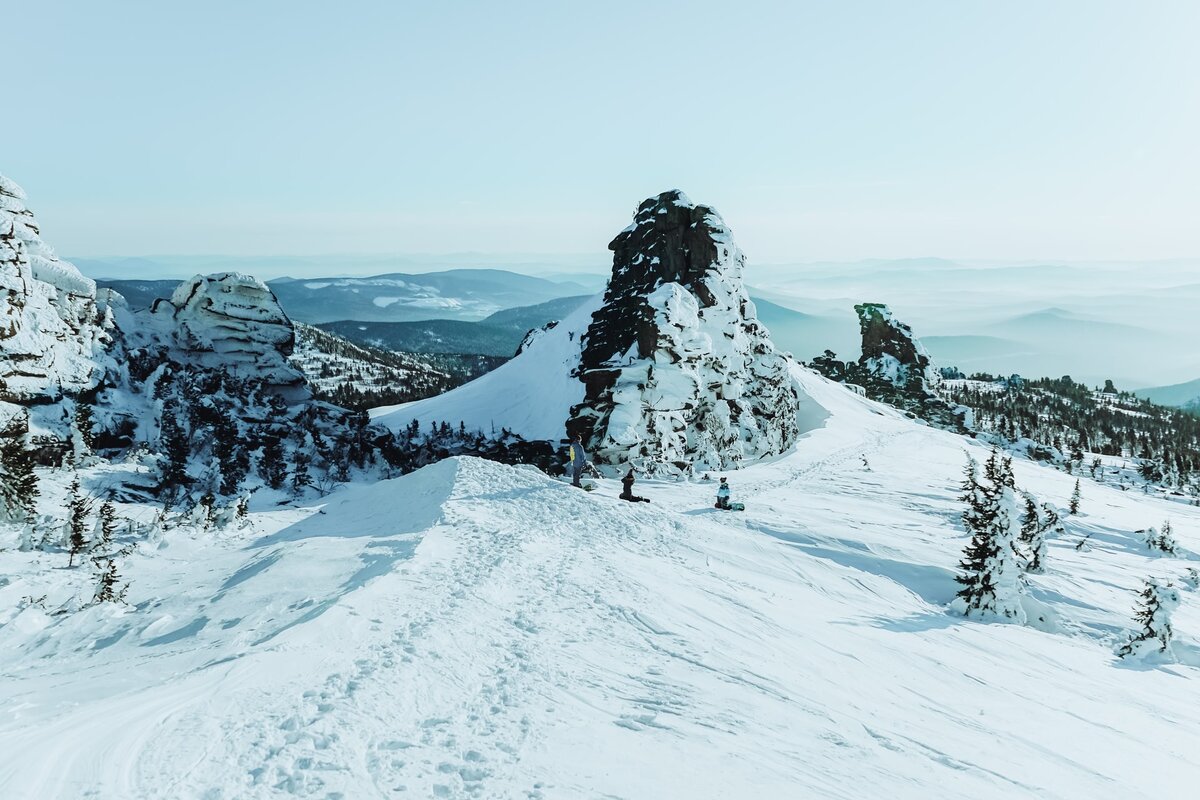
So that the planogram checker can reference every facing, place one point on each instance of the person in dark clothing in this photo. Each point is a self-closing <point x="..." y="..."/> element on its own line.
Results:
<point x="627" y="489"/>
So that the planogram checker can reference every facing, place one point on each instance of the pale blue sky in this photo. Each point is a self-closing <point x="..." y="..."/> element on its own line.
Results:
<point x="821" y="130"/>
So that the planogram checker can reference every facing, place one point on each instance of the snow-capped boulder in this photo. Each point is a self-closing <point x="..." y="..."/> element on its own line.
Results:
<point x="679" y="374"/>
<point x="55" y="335"/>
<point x="233" y="321"/>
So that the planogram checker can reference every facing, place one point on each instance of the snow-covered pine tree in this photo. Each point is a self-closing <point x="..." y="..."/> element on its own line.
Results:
<point x="1191" y="578"/>
<point x="973" y="496"/>
<point x="300" y="476"/>
<point x="230" y="450"/>
<point x="106" y="526"/>
<point x="993" y="581"/>
<point x="173" y="442"/>
<point x="18" y="481"/>
<point x="1155" y="604"/>
<point x="106" y="584"/>
<point x="271" y="465"/>
<point x="1034" y="525"/>
<point x="1076" y="496"/>
<point x="77" y="509"/>
<point x="1162" y="541"/>
<point x="84" y="428"/>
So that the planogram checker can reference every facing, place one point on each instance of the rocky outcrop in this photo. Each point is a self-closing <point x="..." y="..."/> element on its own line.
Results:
<point x="233" y="322"/>
<point x="55" y="334"/>
<point x="896" y="369"/>
<point x="890" y="351"/>
<point x="679" y="375"/>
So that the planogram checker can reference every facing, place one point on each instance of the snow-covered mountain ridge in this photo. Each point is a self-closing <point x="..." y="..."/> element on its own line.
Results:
<point x="478" y="630"/>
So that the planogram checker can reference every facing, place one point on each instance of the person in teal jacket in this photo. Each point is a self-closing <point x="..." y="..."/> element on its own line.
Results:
<point x="723" y="495"/>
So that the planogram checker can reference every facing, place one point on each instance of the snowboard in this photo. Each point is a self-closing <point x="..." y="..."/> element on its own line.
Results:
<point x="732" y="507"/>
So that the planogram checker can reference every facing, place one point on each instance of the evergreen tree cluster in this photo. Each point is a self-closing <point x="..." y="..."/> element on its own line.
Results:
<point x="214" y="428"/>
<point x="1067" y="419"/>
<point x="1005" y="544"/>
<point x="415" y="446"/>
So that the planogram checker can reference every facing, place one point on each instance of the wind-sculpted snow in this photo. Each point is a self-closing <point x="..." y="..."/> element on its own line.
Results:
<point x="54" y="334"/>
<point x="679" y="374"/>
<point x="478" y="630"/>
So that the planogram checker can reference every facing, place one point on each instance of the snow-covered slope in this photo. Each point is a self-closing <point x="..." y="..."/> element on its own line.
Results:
<point x="529" y="395"/>
<point x="477" y="630"/>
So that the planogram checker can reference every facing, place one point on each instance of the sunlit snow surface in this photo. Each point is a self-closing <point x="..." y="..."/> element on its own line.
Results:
<point x="477" y="630"/>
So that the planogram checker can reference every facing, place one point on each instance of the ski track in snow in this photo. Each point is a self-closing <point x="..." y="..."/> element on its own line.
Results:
<point x="481" y="631"/>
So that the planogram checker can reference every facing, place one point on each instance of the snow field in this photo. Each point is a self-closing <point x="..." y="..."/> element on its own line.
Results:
<point x="478" y="630"/>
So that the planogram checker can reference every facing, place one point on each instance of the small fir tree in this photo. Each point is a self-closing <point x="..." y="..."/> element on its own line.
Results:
<point x="77" y="509"/>
<point x="1034" y="525"/>
<point x="107" y="581"/>
<point x="973" y="496"/>
<point x="272" y="467"/>
<point x="1076" y="496"/>
<point x="84" y="424"/>
<point x="1156" y="602"/>
<point x="300" y="476"/>
<point x="106" y="526"/>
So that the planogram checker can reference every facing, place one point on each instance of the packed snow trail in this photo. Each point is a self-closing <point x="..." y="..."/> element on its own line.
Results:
<point x="478" y="630"/>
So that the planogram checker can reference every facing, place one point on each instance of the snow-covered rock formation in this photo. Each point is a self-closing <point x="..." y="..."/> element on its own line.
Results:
<point x="890" y="351"/>
<point x="55" y="334"/>
<point x="678" y="372"/>
<point x="896" y="369"/>
<point x="234" y="322"/>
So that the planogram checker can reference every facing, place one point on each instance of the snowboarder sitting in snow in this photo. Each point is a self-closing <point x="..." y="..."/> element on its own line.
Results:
<point x="576" y="460"/>
<point x="627" y="489"/>
<point x="723" y="495"/>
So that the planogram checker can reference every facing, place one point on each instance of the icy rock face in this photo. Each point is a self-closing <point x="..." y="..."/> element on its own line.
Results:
<point x="55" y="335"/>
<point x="679" y="374"/>
<point x="889" y="349"/>
<point x="234" y="322"/>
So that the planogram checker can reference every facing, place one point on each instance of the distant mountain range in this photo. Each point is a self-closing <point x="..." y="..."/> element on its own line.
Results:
<point x="497" y="335"/>
<point x="459" y="294"/>
<point x="1182" y="395"/>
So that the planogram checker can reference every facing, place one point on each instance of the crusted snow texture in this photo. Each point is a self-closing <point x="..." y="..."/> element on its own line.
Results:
<point x="679" y="374"/>
<point x="54" y="333"/>
<point x="234" y="321"/>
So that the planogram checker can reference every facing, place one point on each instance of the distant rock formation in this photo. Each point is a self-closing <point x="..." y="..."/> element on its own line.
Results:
<point x="895" y="368"/>
<point x="234" y="322"/>
<point x="890" y="351"/>
<point x="679" y="375"/>
<point x="55" y="333"/>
